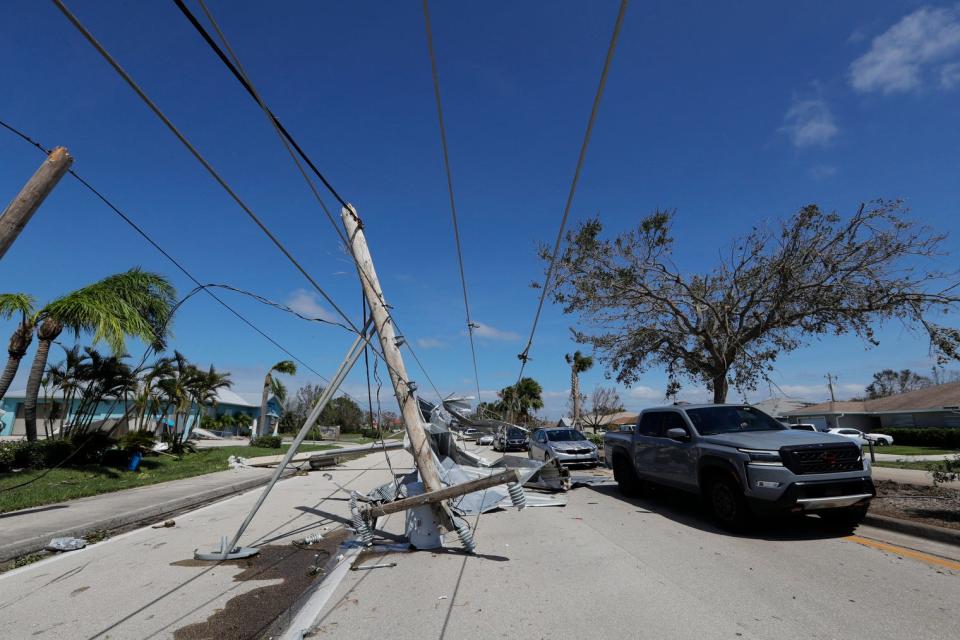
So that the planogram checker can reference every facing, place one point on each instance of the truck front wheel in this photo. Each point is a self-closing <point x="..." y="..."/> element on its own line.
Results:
<point x="727" y="504"/>
<point x="627" y="481"/>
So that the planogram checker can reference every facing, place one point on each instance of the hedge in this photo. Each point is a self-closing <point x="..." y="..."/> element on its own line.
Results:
<point x="267" y="442"/>
<point x="939" y="438"/>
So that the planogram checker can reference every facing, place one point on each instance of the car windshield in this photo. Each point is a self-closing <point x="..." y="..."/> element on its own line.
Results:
<point x="564" y="435"/>
<point x="713" y="420"/>
<point x="514" y="432"/>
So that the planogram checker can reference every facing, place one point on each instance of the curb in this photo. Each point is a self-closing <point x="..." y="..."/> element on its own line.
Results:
<point x="919" y="529"/>
<point x="143" y="515"/>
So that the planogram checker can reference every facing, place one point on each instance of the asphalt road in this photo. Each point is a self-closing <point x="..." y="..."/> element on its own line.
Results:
<point x="608" y="567"/>
<point x="602" y="566"/>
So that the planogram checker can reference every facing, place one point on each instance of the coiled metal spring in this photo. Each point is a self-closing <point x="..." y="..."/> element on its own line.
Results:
<point x="517" y="496"/>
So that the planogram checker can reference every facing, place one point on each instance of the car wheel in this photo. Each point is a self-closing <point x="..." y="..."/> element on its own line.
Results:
<point x="846" y="519"/>
<point x="627" y="481"/>
<point x="881" y="442"/>
<point x="727" y="504"/>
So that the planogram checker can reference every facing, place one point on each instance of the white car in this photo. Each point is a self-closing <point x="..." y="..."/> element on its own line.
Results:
<point x="486" y="440"/>
<point x="879" y="439"/>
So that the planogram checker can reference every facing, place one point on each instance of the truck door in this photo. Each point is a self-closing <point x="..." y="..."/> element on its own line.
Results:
<point x="646" y="443"/>
<point x="676" y="459"/>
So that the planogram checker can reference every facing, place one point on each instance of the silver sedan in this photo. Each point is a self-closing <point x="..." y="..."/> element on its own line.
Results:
<point x="568" y="446"/>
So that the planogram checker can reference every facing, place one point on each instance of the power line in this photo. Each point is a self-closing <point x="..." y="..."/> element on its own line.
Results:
<point x="453" y="205"/>
<point x="176" y="262"/>
<point x="196" y="154"/>
<point x="236" y="68"/>
<point x="524" y="355"/>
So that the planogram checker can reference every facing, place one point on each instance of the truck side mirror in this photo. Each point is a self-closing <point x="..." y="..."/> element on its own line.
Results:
<point x="678" y="434"/>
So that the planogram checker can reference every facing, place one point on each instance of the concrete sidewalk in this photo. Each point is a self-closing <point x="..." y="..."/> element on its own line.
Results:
<point x="145" y="583"/>
<point x="29" y="530"/>
<point x="908" y="476"/>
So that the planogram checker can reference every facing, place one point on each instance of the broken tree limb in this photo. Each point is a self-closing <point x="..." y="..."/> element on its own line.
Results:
<point x="432" y="497"/>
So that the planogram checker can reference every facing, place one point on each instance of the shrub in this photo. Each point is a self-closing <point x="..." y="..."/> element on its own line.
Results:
<point x="267" y="442"/>
<point x="8" y="453"/>
<point x="939" y="438"/>
<point x="34" y="455"/>
<point x="90" y="447"/>
<point x="141" y="441"/>
<point x="595" y="438"/>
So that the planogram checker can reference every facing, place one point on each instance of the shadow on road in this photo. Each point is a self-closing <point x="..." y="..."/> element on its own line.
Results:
<point x="686" y="509"/>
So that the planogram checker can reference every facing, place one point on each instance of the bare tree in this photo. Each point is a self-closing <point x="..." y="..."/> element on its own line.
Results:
<point x="604" y="402"/>
<point x="889" y="382"/>
<point x="771" y="291"/>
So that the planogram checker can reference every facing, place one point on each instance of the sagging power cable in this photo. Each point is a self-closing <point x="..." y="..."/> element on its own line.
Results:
<point x="453" y="204"/>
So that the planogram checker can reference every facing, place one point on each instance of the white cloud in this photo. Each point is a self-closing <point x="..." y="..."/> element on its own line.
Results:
<point x="430" y="343"/>
<point x="492" y="333"/>
<point x="823" y="171"/>
<point x="306" y="304"/>
<point x="950" y="75"/>
<point x="643" y="392"/>
<point x="900" y="56"/>
<point x="809" y="123"/>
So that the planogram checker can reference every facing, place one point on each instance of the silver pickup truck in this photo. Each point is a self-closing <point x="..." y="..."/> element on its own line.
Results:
<point x="742" y="461"/>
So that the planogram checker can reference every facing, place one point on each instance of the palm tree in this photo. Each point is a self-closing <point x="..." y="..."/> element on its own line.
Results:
<point x="518" y="400"/>
<point x="204" y="391"/>
<point x="242" y="420"/>
<point x="286" y="367"/>
<point x="176" y="390"/>
<point x="134" y="303"/>
<point x="11" y="304"/>
<point x="578" y="364"/>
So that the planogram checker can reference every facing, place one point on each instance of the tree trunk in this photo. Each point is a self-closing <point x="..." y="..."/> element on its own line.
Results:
<point x="19" y="343"/>
<point x="575" y="388"/>
<point x="262" y="424"/>
<point x="720" y="387"/>
<point x="47" y="332"/>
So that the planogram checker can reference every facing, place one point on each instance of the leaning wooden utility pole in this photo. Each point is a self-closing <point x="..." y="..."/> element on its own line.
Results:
<point x="18" y="213"/>
<point x="390" y="343"/>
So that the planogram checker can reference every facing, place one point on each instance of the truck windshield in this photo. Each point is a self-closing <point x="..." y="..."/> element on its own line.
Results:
<point x="564" y="435"/>
<point x="713" y="420"/>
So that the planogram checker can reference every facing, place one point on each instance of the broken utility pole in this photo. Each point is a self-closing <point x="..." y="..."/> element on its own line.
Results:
<point x="390" y="343"/>
<point x="18" y="213"/>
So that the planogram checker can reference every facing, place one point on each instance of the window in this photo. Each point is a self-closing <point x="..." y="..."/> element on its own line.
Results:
<point x="672" y="420"/>
<point x="730" y="419"/>
<point x="650" y="424"/>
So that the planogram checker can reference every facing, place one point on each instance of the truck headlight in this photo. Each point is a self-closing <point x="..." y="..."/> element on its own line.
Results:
<point x="765" y="457"/>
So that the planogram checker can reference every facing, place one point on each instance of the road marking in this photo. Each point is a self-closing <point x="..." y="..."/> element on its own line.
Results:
<point x="909" y="553"/>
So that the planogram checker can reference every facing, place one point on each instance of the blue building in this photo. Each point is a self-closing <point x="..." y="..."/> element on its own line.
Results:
<point x="109" y="412"/>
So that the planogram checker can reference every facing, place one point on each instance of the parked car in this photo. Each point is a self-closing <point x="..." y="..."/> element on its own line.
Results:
<point x="879" y="439"/>
<point x="568" y="446"/>
<point x="742" y="461"/>
<point x="511" y="438"/>
<point x="485" y="440"/>
<point x="470" y="434"/>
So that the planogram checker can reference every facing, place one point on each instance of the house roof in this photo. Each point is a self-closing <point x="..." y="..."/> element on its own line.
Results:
<point x="781" y="406"/>
<point x="621" y="417"/>
<point x="226" y="396"/>
<point x="936" y="398"/>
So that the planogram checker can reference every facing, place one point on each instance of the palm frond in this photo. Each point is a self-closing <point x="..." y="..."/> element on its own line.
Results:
<point x="13" y="303"/>
<point x="286" y="367"/>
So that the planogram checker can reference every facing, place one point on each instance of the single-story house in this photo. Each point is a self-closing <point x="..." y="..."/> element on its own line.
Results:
<point x="936" y="406"/>
<point x="110" y="411"/>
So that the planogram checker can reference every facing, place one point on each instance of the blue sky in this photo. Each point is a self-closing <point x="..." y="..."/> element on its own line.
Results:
<point x="732" y="113"/>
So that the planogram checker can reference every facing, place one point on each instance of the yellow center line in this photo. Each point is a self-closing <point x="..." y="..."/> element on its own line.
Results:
<point x="908" y="553"/>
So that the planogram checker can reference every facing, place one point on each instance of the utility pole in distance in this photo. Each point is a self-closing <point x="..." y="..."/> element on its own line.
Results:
<point x="18" y="213"/>
<point x="830" y="378"/>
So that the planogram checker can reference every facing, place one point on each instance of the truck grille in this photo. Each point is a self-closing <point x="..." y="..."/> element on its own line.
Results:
<point x="822" y="458"/>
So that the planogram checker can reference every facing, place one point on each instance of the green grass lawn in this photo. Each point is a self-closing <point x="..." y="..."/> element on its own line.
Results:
<point x="900" y="450"/>
<point x="67" y="483"/>
<point x="922" y="466"/>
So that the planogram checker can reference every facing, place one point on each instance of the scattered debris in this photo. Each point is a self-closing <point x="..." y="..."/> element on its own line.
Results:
<point x="166" y="524"/>
<point x="236" y="463"/>
<point x="66" y="544"/>
<point x="386" y="565"/>
<point x="441" y="597"/>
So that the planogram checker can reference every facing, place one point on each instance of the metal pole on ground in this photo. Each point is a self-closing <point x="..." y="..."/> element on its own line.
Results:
<point x="229" y="551"/>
